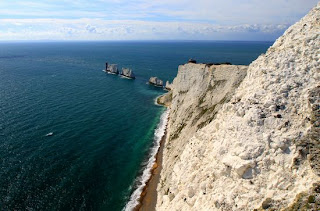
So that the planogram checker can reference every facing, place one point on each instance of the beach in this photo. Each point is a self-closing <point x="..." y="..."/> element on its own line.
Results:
<point x="148" y="196"/>
<point x="148" y="199"/>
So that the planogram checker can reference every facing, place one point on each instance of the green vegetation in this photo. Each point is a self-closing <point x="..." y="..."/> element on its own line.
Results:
<point x="176" y="134"/>
<point x="304" y="202"/>
<point x="216" y="84"/>
<point x="183" y="92"/>
<point x="309" y="145"/>
<point x="202" y="112"/>
<point x="201" y="99"/>
<point x="210" y="112"/>
<point x="158" y="100"/>
<point x="165" y="99"/>
<point x="311" y="199"/>
<point x="211" y="88"/>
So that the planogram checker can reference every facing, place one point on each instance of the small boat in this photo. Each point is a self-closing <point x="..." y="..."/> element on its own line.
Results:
<point x="49" y="134"/>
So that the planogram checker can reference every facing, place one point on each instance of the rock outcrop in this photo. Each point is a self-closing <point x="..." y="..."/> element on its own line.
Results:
<point x="155" y="81"/>
<point x="243" y="138"/>
<point x="126" y="72"/>
<point x="113" y="69"/>
<point x="168" y="86"/>
<point x="165" y="99"/>
<point x="192" y="61"/>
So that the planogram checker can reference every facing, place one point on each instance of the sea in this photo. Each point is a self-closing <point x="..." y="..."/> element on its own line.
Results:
<point x="73" y="137"/>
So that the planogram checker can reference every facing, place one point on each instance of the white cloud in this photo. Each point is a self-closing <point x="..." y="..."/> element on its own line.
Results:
<point x="145" y="19"/>
<point x="222" y="12"/>
<point x="98" y="29"/>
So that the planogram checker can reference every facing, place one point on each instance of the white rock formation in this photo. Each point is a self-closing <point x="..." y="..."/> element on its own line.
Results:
<point x="155" y="81"/>
<point x="126" y="72"/>
<point x="113" y="68"/>
<point x="168" y="85"/>
<point x="259" y="148"/>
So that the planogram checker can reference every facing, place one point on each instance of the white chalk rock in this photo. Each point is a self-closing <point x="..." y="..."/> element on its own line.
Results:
<point x="232" y="130"/>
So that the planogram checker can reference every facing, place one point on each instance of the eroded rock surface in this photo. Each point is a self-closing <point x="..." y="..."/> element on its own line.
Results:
<point x="168" y="86"/>
<point x="113" y="68"/>
<point x="246" y="144"/>
<point x="128" y="73"/>
<point x="155" y="81"/>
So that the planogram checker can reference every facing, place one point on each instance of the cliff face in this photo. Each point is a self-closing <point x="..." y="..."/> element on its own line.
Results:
<point x="243" y="144"/>
<point x="198" y="93"/>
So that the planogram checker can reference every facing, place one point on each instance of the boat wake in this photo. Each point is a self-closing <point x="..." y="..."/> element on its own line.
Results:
<point x="49" y="134"/>
<point x="143" y="179"/>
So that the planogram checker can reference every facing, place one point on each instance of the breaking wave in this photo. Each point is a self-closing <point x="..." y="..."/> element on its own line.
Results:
<point x="144" y="178"/>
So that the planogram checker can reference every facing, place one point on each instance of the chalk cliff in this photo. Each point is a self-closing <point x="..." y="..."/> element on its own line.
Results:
<point x="244" y="138"/>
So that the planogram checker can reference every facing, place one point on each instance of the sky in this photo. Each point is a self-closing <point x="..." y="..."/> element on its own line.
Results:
<point x="263" y="20"/>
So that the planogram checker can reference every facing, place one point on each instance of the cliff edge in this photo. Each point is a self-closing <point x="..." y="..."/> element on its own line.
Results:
<point x="244" y="138"/>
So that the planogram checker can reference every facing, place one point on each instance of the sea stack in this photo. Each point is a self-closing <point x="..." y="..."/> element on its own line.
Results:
<point x="127" y="72"/>
<point x="155" y="81"/>
<point x="168" y="86"/>
<point x="112" y="69"/>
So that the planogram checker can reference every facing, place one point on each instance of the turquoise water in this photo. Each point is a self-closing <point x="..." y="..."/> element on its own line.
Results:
<point x="103" y="126"/>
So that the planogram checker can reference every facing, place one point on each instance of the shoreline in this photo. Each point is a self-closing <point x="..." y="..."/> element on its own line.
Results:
<point x="145" y="196"/>
<point x="148" y="197"/>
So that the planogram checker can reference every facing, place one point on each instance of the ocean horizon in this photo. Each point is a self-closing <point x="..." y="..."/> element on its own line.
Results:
<point x="128" y="41"/>
<point x="104" y="127"/>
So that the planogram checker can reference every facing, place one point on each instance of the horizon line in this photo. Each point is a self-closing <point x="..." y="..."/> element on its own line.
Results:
<point x="156" y="40"/>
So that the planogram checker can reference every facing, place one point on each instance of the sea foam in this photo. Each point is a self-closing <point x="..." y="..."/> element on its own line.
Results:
<point x="143" y="179"/>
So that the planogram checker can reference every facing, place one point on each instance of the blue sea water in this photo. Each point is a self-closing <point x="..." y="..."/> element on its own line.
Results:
<point x="103" y="126"/>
